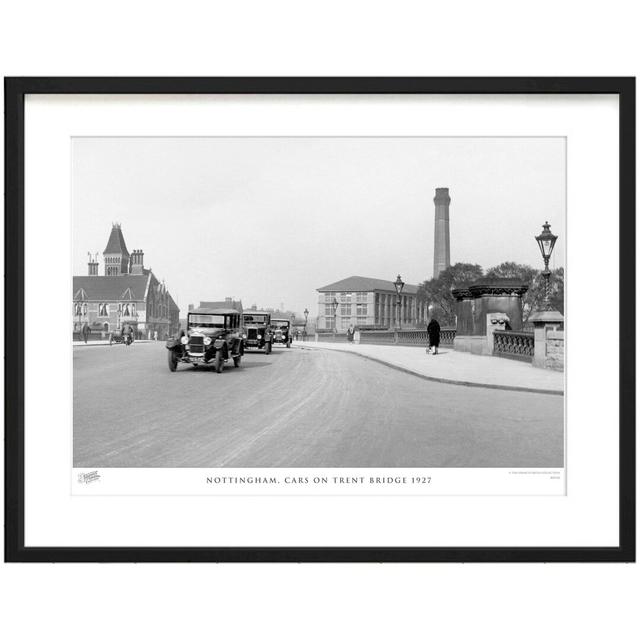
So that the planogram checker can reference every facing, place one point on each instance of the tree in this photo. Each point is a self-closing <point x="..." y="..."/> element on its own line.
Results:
<point x="437" y="291"/>
<point x="534" y="297"/>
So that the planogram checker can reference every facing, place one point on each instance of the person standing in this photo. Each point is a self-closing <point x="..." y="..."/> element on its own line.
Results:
<point x="85" y="332"/>
<point x="433" y="331"/>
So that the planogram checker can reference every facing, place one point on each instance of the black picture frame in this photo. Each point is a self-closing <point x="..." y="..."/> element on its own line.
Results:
<point x="15" y="91"/>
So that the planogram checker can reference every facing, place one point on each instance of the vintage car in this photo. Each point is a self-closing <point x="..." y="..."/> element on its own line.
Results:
<point x="257" y="330"/>
<point x="281" y="332"/>
<point x="121" y="336"/>
<point x="212" y="337"/>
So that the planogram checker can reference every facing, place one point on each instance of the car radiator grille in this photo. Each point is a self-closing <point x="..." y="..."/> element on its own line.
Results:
<point x="196" y="344"/>
<point x="252" y="334"/>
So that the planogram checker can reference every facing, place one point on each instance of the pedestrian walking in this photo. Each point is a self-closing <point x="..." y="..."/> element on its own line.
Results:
<point x="433" y="331"/>
<point x="350" y="334"/>
<point x="85" y="332"/>
<point x="155" y="335"/>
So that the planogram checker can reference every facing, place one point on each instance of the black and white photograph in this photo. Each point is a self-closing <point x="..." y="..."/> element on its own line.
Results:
<point x="318" y="302"/>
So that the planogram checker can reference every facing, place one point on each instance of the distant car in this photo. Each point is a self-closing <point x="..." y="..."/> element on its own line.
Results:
<point x="257" y="331"/>
<point x="120" y="336"/>
<point x="281" y="332"/>
<point x="213" y="337"/>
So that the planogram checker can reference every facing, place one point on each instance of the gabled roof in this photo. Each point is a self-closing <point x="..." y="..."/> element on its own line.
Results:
<point x="361" y="283"/>
<point x="99" y="288"/>
<point x="116" y="241"/>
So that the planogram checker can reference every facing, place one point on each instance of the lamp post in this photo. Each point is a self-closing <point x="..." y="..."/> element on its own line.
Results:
<point x="399" y="285"/>
<point x="546" y="241"/>
<point x="306" y="317"/>
<point x="335" y="315"/>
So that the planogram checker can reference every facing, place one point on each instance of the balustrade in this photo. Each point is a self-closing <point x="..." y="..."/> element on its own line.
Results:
<point x="518" y="345"/>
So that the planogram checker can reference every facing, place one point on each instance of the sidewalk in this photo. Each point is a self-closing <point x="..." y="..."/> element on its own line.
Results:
<point x="98" y="343"/>
<point x="455" y="367"/>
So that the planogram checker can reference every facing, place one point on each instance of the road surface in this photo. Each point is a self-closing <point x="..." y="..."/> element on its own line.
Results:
<point x="298" y="408"/>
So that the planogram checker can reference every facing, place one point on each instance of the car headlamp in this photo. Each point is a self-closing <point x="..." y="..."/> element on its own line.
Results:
<point x="207" y="340"/>
<point x="259" y="336"/>
<point x="184" y="340"/>
<point x="244" y="335"/>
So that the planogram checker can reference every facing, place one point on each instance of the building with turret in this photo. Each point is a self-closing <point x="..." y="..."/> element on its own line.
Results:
<point x="127" y="294"/>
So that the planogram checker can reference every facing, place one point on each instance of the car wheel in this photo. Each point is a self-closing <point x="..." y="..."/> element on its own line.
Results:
<point x="173" y="360"/>
<point x="219" y="364"/>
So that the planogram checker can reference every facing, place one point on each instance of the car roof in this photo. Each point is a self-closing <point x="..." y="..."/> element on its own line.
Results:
<point x="253" y="312"/>
<point x="281" y="320"/>
<point x="214" y="311"/>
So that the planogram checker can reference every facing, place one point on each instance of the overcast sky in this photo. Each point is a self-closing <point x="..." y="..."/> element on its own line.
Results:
<point x="269" y="220"/>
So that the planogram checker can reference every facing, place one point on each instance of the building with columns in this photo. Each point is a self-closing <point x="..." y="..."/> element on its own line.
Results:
<point x="127" y="294"/>
<point x="368" y="302"/>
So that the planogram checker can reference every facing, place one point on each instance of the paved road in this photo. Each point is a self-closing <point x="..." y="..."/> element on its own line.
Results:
<point x="298" y="408"/>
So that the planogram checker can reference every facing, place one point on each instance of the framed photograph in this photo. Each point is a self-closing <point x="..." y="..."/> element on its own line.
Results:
<point x="320" y="319"/>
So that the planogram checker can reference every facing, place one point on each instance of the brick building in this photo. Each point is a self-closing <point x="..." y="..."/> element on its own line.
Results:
<point x="127" y="293"/>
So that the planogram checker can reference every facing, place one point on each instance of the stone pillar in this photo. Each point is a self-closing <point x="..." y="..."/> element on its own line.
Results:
<point x="544" y="322"/>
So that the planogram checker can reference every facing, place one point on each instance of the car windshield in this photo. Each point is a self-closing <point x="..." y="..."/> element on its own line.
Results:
<point x="206" y="321"/>
<point x="255" y="319"/>
<point x="283" y="326"/>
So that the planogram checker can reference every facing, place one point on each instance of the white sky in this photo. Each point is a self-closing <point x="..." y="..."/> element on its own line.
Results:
<point x="269" y="220"/>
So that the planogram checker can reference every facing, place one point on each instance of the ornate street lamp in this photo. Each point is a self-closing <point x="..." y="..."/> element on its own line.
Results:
<point x="546" y="241"/>
<point x="306" y="316"/>
<point x="335" y="315"/>
<point x="399" y="285"/>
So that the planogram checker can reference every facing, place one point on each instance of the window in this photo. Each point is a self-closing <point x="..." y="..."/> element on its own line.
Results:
<point x="345" y="323"/>
<point x="103" y="309"/>
<point x="328" y="310"/>
<point x="345" y="297"/>
<point x="361" y="309"/>
<point x="345" y="309"/>
<point x="329" y="322"/>
<point x="361" y="296"/>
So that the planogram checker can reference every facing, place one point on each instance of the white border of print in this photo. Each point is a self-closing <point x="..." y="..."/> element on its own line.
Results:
<point x="586" y="516"/>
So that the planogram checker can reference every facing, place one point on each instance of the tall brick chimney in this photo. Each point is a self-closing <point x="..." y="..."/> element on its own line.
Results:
<point x="137" y="262"/>
<point x="441" y="249"/>
<point x="93" y="264"/>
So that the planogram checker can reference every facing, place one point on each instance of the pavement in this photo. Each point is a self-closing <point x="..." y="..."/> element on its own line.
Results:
<point x="298" y="407"/>
<point x="455" y="367"/>
<point x="98" y="343"/>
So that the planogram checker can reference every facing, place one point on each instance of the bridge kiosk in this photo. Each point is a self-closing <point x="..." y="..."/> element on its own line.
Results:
<point x="479" y="304"/>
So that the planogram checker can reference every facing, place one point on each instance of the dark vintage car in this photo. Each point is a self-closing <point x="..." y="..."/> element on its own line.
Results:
<point x="257" y="330"/>
<point x="281" y="332"/>
<point x="122" y="336"/>
<point x="213" y="336"/>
